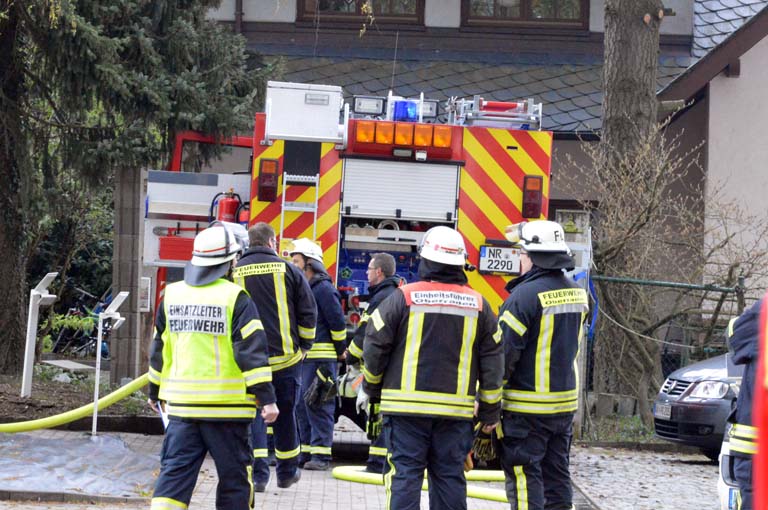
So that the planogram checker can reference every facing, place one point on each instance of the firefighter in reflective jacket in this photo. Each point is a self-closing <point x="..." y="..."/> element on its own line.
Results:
<point x="430" y="349"/>
<point x="541" y="325"/>
<point x="316" y="419"/>
<point x="742" y="344"/>
<point x="208" y="367"/>
<point x="288" y="312"/>
<point x="760" y="413"/>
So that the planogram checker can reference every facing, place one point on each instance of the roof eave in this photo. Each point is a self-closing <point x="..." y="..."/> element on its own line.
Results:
<point x="696" y="77"/>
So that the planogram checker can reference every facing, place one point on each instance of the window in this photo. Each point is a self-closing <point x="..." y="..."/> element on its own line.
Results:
<point x="398" y="11"/>
<point x="568" y="13"/>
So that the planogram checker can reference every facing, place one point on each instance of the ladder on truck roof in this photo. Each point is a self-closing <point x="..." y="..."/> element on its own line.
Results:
<point x="478" y="112"/>
<point x="306" y="181"/>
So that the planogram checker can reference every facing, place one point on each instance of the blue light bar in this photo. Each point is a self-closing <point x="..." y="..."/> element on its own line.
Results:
<point x="407" y="111"/>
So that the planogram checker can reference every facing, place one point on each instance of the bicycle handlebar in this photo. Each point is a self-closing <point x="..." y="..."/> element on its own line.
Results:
<point x="85" y="293"/>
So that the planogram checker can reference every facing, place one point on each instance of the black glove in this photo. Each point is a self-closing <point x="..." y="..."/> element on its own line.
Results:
<point x="485" y="445"/>
<point x="375" y="421"/>
<point x="322" y="389"/>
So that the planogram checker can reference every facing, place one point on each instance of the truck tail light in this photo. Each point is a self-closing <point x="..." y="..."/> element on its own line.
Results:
<point x="268" y="173"/>
<point x="365" y="131"/>
<point x="442" y="136"/>
<point x="532" y="196"/>
<point x="422" y="136"/>
<point x="385" y="132"/>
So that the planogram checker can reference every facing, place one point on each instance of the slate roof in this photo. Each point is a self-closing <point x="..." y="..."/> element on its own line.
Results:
<point x="715" y="20"/>
<point x="568" y="86"/>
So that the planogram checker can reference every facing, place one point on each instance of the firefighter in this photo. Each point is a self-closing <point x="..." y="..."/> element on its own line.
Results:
<point x="382" y="281"/>
<point x="426" y="349"/>
<point x="209" y="369"/>
<point x="760" y="413"/>
<point x="540" y="324"/>
<point x="288" y="312"/>
<point x="316" y="418"/>
<point x="742" y="336"/>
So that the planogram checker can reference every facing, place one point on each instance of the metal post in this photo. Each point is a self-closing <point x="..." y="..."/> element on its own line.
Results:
<point x="98" y="374"/>
<point x="110" y="313"/>
<point x="29" y="351"/>
<point x="38" y="296"/>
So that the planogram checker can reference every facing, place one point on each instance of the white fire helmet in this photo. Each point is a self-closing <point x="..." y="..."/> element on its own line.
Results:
<point x="540" y="236"/>
<point x="214" y="245"/>
<point x="444" y="245"/>
<point x="307" y="248"/>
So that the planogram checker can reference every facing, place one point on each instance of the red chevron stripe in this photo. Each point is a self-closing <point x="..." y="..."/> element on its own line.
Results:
<point x="534" y="150"/>
<point x="299" y="225"/>
<point x="501" y="155"/>
<point x="491" y="188"/>
<point x="481" y="221"/>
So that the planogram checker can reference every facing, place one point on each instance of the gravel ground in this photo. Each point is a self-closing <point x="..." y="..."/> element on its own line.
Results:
<point x="639" y="480"/>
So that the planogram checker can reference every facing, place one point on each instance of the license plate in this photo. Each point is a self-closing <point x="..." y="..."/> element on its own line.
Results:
<point x="497" y="259"/>
<point x="663" y="411"/>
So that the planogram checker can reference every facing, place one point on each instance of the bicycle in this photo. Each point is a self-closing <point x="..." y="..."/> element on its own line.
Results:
<point x="81" y="341"/>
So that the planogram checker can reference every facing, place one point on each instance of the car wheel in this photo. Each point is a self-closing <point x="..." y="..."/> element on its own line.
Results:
<point x="711" y="453"/>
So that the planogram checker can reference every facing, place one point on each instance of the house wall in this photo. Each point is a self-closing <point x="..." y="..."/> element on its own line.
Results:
<point x="738" y="123"/>
<point x="275" y="11"/>
<point x="442" y="13"/>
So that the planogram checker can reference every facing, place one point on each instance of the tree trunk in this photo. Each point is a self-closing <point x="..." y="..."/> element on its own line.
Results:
<point x="13" y="299"/>
<point x="629" y="71"/>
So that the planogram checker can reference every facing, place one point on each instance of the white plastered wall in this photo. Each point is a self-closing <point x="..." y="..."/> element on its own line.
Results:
<point x="276" y="11"/>
<point x="738" y="129"/>
<point x="442" y="13"/>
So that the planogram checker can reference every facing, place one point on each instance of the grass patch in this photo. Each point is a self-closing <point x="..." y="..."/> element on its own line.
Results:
<point x="619" y="429"/>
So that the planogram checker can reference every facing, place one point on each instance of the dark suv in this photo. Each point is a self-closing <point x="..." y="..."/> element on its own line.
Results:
<point x="694" y="402"/>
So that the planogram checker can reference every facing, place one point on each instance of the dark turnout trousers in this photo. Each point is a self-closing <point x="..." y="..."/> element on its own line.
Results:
<point x="535" y="461"/>
<point x="438" y="445"/>
<point x="285" y="432"/>
<point x="184" y="449"/>
<point x="315" y="425"/>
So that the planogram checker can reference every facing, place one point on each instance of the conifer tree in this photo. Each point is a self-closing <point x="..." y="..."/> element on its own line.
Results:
<point x="101" y="87"/>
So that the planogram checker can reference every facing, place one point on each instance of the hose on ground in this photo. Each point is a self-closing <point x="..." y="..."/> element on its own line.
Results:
<point x="75" y="414"/>
<point x="360" y="475"/>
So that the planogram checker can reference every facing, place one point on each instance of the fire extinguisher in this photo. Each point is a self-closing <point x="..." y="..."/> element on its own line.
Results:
<point x="244" y="214"/>
<point x="227" y="208"/>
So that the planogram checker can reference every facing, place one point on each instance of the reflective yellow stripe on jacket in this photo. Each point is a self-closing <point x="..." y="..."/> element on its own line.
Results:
<point x="200" y="376"/>
<point x="427" y="403"/>
<point x="743" y="439"/>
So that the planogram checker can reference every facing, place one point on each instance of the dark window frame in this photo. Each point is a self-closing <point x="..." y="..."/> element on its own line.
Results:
<point x="526" y="20"/>
<point x="304" y="14"/>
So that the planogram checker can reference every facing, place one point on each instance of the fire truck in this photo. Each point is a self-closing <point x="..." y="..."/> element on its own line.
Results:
<point x="371" y="175"/>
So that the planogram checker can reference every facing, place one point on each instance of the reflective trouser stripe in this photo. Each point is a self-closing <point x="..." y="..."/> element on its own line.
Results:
<point x="260" y="453"/>
<point x="287" y="455"/>
<point x="388" y="475"/>
<point x="377" y="450"/>
<point x="521" y="486"/>
<point x="320" y="450"/>
<point x="167" y="504"/>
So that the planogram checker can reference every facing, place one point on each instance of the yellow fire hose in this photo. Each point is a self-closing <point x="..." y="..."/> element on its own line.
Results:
<point x="360" y="475"/>
<point x="75" y="414"/>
